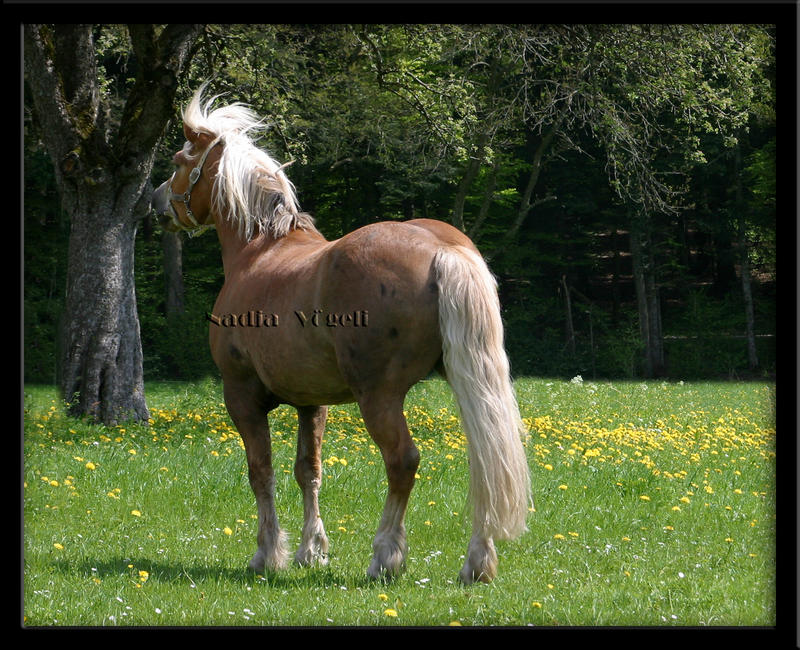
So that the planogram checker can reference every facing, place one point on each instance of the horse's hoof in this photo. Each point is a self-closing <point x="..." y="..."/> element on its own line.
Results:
<point x="309" y="558"/>
<point x="467" y="576"/>
<point x="380" y="573"/>
<point x="263" y="562"/>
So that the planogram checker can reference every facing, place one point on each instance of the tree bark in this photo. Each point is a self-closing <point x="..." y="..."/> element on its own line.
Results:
<point x="101" y="174"/>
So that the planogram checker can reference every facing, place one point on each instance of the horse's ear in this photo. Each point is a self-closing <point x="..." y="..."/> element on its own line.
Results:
<point x="200" y="140"/>
<point x="203" y="140"/>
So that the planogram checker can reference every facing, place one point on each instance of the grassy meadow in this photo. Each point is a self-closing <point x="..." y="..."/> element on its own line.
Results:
<point x="654" y="505"/>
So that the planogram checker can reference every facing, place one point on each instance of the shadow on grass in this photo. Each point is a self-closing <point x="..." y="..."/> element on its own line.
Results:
<point x="191" y="574"/>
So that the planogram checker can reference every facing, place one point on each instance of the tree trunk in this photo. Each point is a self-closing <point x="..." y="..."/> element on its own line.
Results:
<point x="744" y="261"/>
<point x="101" y="347"/>
<point x="752" y="355"/>
<point x="101" y="174"/>
<point x="615" y="290"/>
<point x="647" y="297"/>
<point x="473" y="167"/>
<point x="488" y="198"/>
<point x="569" y="329"/>
<point x="656" y="337"/>
<point x="641" y="299"/>
<point x="525" y="204"/>
<point x="172" y="249"/>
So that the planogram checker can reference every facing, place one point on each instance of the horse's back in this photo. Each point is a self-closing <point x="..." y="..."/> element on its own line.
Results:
<point x="400" y="234"/>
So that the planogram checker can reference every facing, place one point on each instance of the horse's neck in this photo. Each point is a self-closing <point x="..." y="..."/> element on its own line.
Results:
<point x="236" y="250"/>
<point x="234" y="246"/>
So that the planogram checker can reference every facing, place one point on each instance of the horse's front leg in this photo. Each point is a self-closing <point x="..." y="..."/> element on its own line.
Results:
<point x="248" y="405"/>
<point x="308" y="473"/>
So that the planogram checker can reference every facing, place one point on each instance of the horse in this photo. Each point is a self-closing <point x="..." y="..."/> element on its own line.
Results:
<point x="407" y="298"/>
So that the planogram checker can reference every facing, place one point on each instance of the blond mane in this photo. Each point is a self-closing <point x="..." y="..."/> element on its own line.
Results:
<point x="251" y="187"/>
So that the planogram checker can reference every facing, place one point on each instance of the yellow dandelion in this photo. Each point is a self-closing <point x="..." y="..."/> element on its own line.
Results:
<point x="562" y="487"/>
<point x="390" y="612"/>
<point x="383" y="597"/>
<point x="136" y="513"/>
<point x="227" y="531"/>
<point x="90" y="465"/>
<point x="558" y="536"/>
<point x="58" y="546"/>
<point x="644" y="497"/>
<point x="455" y="623"/>
<point x="143" y="576"/>
<point x="536" y="604"/>
<point x="548" y="467"/>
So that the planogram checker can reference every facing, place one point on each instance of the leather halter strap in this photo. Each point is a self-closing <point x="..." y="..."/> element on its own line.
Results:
<point x="186" y="197"/>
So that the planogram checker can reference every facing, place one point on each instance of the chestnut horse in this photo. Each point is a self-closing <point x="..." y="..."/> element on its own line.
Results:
<point x="359" y="319"/>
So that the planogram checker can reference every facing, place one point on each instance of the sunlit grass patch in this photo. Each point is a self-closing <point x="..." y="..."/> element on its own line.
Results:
<point x="654" y="505"/>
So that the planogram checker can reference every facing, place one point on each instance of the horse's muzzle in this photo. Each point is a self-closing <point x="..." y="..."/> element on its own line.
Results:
<point x="159" y="203"/>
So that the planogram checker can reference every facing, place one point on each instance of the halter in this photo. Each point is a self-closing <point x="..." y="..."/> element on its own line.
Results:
<point x="186" y="197"/>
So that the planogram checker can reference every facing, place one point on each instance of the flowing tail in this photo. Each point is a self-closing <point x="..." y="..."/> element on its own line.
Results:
<point x="477" y="369"/>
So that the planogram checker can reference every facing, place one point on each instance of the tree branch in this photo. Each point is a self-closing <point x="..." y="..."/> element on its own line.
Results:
<point x="150" y="102"/>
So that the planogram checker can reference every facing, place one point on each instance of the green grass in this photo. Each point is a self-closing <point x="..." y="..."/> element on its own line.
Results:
<point x="655" y="505"/>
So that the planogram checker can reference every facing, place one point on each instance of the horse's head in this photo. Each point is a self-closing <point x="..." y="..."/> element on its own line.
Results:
<point x="183" y="202"/>
<point x="238" y="180"/>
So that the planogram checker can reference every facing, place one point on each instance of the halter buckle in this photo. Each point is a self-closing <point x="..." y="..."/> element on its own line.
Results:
<point x="186" y="197"/>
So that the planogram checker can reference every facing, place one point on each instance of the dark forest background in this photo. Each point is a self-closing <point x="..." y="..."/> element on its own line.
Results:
<point x="619" y="180"/>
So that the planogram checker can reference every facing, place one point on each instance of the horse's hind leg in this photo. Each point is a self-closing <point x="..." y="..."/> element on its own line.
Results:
<point x="248" y="405"/>
<point x="387" y="426"/>
<point x="308" y="472"/>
